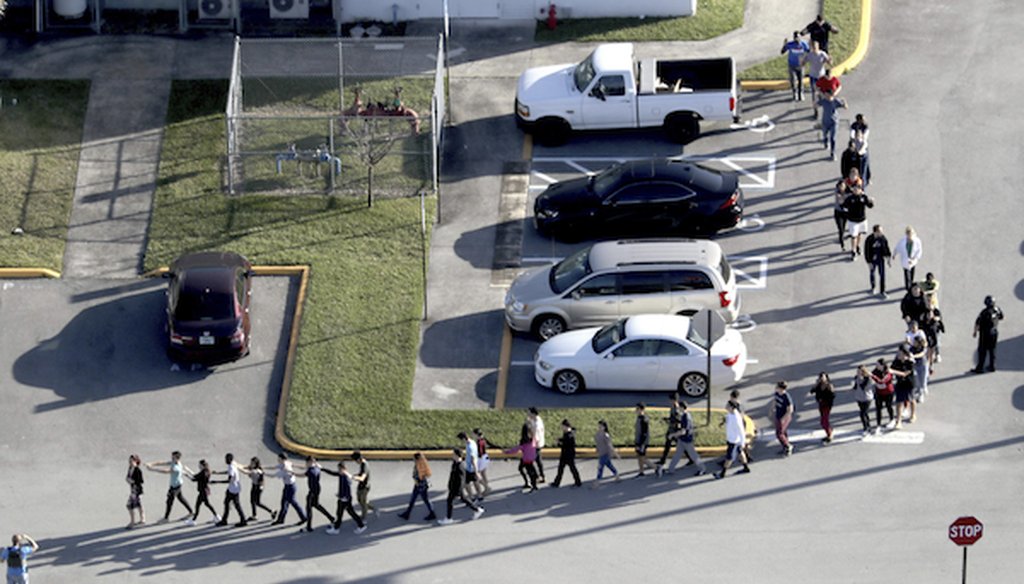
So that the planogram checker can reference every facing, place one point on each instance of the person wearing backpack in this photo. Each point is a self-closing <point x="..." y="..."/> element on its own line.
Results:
<point x="16" y="557"/>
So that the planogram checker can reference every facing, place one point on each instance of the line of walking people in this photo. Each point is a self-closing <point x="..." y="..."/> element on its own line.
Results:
<point x="467" y="477"/>
<point x="349" y="482"/>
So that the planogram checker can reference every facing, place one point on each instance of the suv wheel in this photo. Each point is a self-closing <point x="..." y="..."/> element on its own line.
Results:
<point x="568" y="382"/>
<point x="548" y="325"/>
<point x="693" y="384"/>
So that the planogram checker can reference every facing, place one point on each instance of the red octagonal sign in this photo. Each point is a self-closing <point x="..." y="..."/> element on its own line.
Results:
<point x="965" y="531"/>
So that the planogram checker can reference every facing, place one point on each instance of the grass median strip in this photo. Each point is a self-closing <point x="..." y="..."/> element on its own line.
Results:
<point x="713" y="18"/>
<point x="39" y="149"/>
<point x="356" y="353"/>
<point x="845" y="14"/>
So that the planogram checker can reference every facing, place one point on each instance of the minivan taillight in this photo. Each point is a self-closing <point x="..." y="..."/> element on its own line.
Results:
<point x="725" y="298"/>
<point x="730" y="361"/>
<point x="732" y="104"/>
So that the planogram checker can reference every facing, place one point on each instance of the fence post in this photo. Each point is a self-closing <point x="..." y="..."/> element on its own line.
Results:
<point x="330" y="149"/>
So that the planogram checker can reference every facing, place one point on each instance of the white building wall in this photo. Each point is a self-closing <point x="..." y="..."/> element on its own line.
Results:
<point x="361" y="10"/>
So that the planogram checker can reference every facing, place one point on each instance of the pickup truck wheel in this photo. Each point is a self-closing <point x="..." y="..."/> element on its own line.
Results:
<point x="552" y="132"/>
<point x="682" y="128"/>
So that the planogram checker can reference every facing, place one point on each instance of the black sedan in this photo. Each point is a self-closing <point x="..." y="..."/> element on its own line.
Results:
<point x="208" y="307"/>
<point x="653" y="196"/>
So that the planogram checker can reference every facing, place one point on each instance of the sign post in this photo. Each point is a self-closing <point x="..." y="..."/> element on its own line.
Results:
<point x="964" y="532"/>
<point x="712" y="323"/>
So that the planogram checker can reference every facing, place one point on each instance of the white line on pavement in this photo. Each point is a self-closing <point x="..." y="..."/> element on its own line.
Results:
<point x="841" y="436"/>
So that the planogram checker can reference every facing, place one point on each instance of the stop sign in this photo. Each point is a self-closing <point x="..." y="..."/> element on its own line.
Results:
<point x="965" y="531"/>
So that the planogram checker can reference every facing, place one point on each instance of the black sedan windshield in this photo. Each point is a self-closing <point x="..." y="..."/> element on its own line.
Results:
<point x="605" y="182"/>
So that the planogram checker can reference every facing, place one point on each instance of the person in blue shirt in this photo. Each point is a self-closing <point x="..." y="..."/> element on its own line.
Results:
<point x="796" y="48"/>
<point x="16" y="557"/>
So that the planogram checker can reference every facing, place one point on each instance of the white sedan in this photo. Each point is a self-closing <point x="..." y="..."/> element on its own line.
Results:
<point x="642" y="353"/>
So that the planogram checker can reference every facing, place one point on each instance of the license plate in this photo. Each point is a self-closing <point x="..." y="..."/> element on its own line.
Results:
<point x="207" y="340"/>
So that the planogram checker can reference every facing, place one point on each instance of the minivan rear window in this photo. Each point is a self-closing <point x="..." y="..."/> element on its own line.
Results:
<point x="725" y="269"/>
<point x="572" y="269"/>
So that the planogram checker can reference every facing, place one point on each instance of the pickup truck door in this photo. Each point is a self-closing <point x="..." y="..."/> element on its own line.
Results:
<point x="609" y="102"/>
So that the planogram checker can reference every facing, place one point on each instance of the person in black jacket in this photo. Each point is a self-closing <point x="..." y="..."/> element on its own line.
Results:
<point x="455" y="489"/>
<point x="879" y="256"/>
<point x="914" y="306"/>
<point x="344" y="500"/>
<point x="986" y="325"/>
<point x="673" y="426"/>
<point x="855" y="206"/>
<point x="567" y="455"/>
<point x="849" y="159"/>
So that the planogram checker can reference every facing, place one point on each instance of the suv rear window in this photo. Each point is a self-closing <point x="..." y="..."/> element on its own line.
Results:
<point x="642" y="283"/>
<point x="687" y="280"/>
<point x="725" y="269"/>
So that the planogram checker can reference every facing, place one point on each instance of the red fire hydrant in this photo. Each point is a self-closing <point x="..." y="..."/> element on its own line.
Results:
<point x="552" y="17"/>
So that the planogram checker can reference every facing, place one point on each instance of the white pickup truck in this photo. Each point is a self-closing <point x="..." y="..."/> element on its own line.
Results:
<point x="610" y="89"/>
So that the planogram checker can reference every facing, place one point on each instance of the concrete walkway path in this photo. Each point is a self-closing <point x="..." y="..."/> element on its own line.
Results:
<point x="121" y="139"/>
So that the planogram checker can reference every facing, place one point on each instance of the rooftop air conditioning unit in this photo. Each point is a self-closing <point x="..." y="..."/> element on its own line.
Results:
<point x="214" y="9"/>
<point x="289" y="8"/>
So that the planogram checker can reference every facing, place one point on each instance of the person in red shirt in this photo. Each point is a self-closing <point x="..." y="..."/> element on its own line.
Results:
<point x="829" y="84"/>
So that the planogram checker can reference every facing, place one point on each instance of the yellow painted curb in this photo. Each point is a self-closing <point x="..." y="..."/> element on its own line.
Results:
<point x="504" y="361"/>
<point x="851" y="62"/>
<point x="28" y="273"/>
<point x="861" y="50"/>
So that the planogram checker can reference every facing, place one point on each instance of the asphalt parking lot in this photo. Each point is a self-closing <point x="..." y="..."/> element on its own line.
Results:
<point x="85" y="360"/>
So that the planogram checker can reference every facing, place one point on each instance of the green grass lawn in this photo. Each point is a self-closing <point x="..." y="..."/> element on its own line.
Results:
<point x="844" y="14"/>
<point x="39" y="147"/>
<point x="713" y="18"/>
<point x="356" y="354"/>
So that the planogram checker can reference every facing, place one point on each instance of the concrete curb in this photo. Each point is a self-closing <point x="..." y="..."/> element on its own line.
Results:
<point x="851" y="62"/>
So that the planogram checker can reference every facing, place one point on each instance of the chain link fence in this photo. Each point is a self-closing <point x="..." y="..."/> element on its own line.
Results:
<point x="335" y="116"/>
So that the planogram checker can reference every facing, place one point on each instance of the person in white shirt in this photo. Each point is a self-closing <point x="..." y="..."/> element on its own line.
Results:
<point x="287" y="476"/>
<point x="735" y="438"/>
<point x="537" y="425"/>
<point x="233" y="491"/>
<point x="908" y="249"/>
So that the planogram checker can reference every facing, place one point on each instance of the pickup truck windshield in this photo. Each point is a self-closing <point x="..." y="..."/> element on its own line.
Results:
<point x="584" y="73"/>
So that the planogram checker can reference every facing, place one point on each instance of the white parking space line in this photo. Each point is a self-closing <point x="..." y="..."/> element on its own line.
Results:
<point x="750" y="179"/>
<point x="579" y="167"/>
<point x="744" y="279"/>
<point x="842" y="436"/>
<point x="543" y="177"/>
<point x="535" y="259"/>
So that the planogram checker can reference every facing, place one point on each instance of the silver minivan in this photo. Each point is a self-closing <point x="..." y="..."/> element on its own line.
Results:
<point x="611" y="279"/>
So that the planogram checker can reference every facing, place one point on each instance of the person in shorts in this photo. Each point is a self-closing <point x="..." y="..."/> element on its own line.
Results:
<point x="735" y="438"/>
<point x="135" y="481"/>
<point x="855" y="206"/>
<point x="902" y="369"/>
<point x="471" y="464"/>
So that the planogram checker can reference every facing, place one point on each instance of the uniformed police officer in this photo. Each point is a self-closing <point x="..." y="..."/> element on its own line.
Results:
<point x="986" y="325"/>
